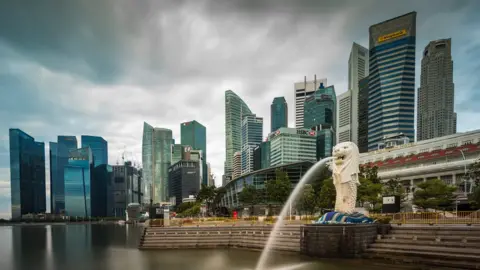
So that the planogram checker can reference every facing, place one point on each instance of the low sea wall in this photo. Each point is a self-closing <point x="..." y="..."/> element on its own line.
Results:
<point x="251" y="237"/>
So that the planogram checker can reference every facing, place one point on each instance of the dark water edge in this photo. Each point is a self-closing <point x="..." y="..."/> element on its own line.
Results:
<point x="90" y="246"/>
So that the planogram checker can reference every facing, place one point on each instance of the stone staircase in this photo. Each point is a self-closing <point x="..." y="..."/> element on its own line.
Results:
<point x="455" y="247"/>
<point x="251" y="237"/>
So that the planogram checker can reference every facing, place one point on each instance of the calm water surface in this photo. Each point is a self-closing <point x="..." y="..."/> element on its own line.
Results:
<point x="72" y="247"/>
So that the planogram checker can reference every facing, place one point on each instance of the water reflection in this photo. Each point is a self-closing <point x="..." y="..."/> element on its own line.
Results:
<point x="108" y="247"/>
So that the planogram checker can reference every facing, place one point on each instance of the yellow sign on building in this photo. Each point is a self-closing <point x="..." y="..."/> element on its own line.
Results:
<point x="396" y="34"/>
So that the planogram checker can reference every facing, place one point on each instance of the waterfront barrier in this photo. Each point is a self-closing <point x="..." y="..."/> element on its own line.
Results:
<point x="250" y="237"/>
<point x="433" y="218"/>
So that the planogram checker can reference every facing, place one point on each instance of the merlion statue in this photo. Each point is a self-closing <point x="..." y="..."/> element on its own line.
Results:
<point x="345" y="170"/>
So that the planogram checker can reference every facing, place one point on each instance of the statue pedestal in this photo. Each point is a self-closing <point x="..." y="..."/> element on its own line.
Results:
<point x="336" y="240"/>
<point x="341" y="218"/>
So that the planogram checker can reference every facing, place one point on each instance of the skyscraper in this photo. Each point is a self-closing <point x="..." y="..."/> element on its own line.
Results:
<point x="347" y="123"/>
<point x="99" y="148"/>
<point x="78" y="176"/>
<point x="194" y="134"/>
<point x="435" y="112"/>
<point x="252" y="131"/>
<point x="302" y="91"/>
<point x="363" y="115"/>
<point x="391" y="102"/>
<point x="278" y="114"/>
<point x="156" y="158"/>
<point x="235" y="109"/>
<point x="320" y="115"/>
<point x="237" y="165"/>
<point x="27" y="174"/>
<point x="59" y="154"/>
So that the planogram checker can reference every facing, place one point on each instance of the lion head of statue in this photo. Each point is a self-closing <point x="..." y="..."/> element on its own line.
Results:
<point x="346" y="153"/>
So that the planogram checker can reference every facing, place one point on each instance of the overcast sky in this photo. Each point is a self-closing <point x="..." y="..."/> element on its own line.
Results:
<point x="103" y="67"/>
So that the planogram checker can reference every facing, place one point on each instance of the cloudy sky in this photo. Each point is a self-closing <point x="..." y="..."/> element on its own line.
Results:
<point x="103" y="67"/>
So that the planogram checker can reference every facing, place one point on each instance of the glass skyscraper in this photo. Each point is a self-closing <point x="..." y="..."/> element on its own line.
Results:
<point x="235" y="109"/>
<point x="252" y="131"/>
<point x="278" y="114"/>
<point x="78" y="176"/>
<point x="391" y="102"/>
<point x="320" y="115"/>
<point x="363" y="115"/>
<point x="59" y="153"/>
<point x="27" y="174"/>
<point x="99" y="148"/>
<point x="156" y="158"/>
<point x="194" y="134"/>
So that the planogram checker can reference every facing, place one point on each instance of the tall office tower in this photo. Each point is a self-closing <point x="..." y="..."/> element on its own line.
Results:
<point x="99" y="148"/>
<point x="184" y="180"/>
<point x="237" y="165"/>
<point x="125" y="188"/>
<point x="211" y="179"/>
<point x="252" y="132"/>
<point x="391" y="102"/>
<point x="320" y="115"/>
<point x="235" y="109"/>
<point x="194" y="134"/>
<point x="278" y="114"/>
<point x="363" y="115"/>
<point x="78" y="176"/>
<point x="289" y="145"/>
<point x="435" y="112"/>
<point x="156" y="158"/>
<point x="27" y="174"/>
<point x="59" y="153"/>
<point x="302" y="91"/>
<point x="347" y="123"/>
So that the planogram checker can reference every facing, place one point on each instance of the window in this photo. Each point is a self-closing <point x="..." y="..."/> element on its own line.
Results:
<point x="452" y="145"/>
<point x="425" y="150"/>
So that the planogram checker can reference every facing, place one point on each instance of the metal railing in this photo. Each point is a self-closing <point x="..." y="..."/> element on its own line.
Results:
<point x="441" y="217"/>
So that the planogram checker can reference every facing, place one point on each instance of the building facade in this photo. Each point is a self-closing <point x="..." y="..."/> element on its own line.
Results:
<point x="126" y="188"/>
<point x="59" y="153"/>
<point x="391" y="100"/>
<point x="363" y="115"/>
<point x="27" y="174"/>
<point x="177" y="153"/>
<point x="194" y="134"/>
<point x="347" y="123"/>
<point x="303" y="90"/>
<point x="252" y="132"/>
<point x="435" y="113"/>
<point x="320" y="115"/>
<point x="278" y="114"/>
<point x="446" y="158"/>
<point x="185" y="180"/>
<point x="237" y="165"/>
<point x="78" y="176"/>
<point x="99" y="148"/>
<point x="235" y="109"/>
<point x="288" y="145"/>
<point x="156" y="159"/>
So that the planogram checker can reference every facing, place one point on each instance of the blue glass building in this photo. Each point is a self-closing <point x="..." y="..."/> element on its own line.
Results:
<point x="391" y="102"/>
<point x="194" y="134"/>
<point x="78" y="176"/>
<point x="99" y="148"/>
<point x="27" y="174"/>
<point x="278" y="114"/>
<point x="252" y="132"/>
<point x="59" y="153"/>
<point x="320" y="115"/>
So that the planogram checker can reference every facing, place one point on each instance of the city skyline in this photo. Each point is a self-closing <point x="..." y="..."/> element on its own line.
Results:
<point x="44" y="109"/>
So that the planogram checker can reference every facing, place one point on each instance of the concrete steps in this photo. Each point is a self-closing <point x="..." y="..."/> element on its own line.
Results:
<point x="252" y="237"/>
<point x="442" y="246"/>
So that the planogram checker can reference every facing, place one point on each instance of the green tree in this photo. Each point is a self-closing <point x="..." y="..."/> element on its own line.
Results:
<point x="206" y="195"/>
<point x="370" y="173"/>
<point x="394" y="187"/>
<point x="327" y="195"/>
<point x="435" y="194"/>
<point x="279" y="189"/>
<point x="319" y="180"/>
<point x="474" y="172"/>
<point x="308" y="202"/>
<point x="369" y="192"/>
<point x="219" y="193"/>
<point x="184" y="206"/>
<point x="249" y="196"/>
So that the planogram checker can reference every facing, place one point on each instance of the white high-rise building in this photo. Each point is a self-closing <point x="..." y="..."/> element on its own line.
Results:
<point x="347" y="106"/>
<point x="302" y="91"/>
